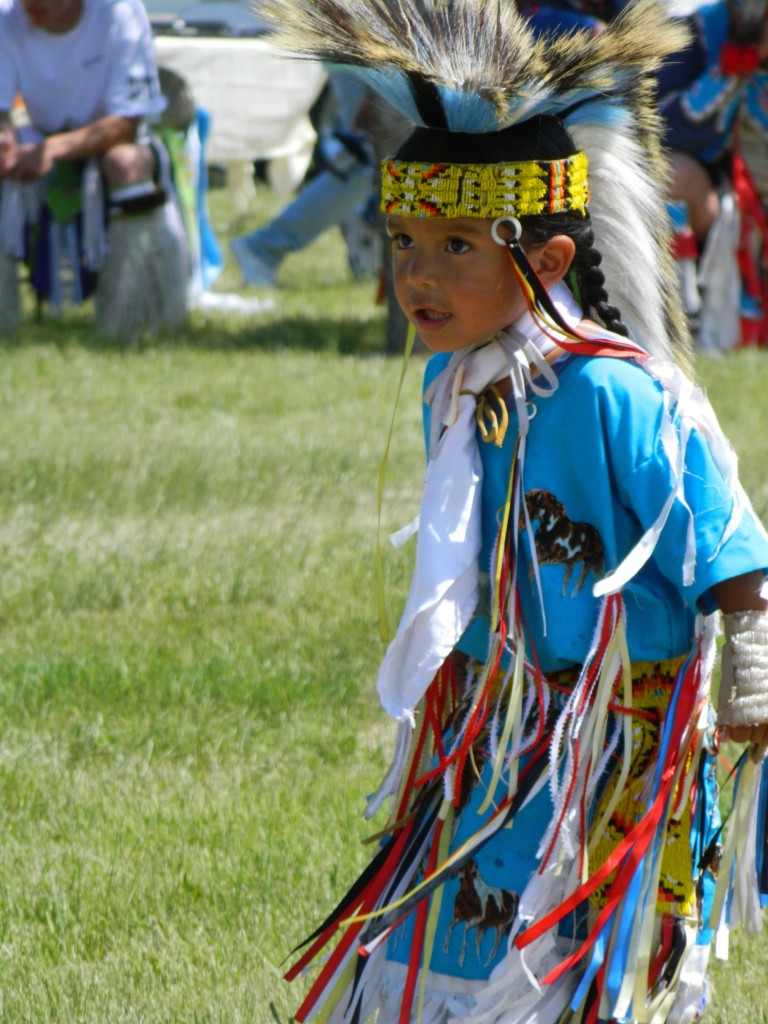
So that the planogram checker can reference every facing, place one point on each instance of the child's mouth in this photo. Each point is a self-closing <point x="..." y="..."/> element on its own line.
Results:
<point x="430" y="319"/>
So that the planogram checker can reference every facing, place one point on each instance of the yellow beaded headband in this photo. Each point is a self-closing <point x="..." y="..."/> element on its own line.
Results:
<point x="412" y="189"/>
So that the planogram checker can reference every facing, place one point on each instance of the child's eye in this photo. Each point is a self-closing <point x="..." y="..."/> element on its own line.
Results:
<point x="457" y="245"/>
<point x="402" y="241"/>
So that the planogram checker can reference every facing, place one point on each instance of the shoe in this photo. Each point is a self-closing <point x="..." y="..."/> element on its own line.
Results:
<point x="255" y="270"/>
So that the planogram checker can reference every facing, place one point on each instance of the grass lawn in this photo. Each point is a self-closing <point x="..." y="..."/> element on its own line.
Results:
<point x="188" y="641"/>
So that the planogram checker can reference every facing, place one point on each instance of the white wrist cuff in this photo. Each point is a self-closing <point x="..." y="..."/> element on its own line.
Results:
<point x="743" y="696"/>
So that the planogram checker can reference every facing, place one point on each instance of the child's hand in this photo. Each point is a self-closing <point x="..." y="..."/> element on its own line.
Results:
<point x="29" y="162"/>
<point x="754" y="734"/>
<point x="8" y="147"/>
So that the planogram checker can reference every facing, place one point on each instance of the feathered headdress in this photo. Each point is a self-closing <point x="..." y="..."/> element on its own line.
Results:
<point x="476" y="66"/>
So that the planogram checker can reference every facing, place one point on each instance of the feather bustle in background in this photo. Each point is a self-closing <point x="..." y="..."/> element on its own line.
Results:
<point x="476" y="66"/>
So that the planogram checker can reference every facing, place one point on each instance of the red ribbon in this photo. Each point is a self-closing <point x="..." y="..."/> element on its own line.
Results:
<point x="627" y="856"/>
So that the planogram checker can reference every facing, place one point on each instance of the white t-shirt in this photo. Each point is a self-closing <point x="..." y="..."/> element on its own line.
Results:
<point x="104" y="65"/>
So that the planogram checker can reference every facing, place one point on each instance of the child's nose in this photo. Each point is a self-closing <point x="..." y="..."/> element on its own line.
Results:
<point x="422" y="269"/>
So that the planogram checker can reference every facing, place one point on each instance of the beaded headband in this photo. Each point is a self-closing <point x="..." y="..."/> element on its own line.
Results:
<point x="484" y="190"/>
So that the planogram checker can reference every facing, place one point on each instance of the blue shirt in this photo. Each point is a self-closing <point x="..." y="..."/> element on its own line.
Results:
<point x="597" y="473"/>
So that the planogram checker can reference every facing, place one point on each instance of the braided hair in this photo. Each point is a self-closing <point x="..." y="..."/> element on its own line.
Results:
<point x="540" y="138"/>
<point x="585" y="278"/>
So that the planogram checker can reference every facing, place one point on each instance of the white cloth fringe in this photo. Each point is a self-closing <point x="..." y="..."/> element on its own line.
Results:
<point x="512" y="995"/>
<point x="391" y="783"/>
<point x="20" y="204"/>
<point x="720" y="281"/>
<point x="94" y="229"/>
<point x="445" y="999"/>
<point x="692" y="994"/>
<point x="737" y="899"/>
<point x="746" y="911"/>
<point x="443" y="592"/>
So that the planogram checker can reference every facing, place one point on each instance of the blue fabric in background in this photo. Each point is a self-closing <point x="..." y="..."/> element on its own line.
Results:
<point x="211" y="259"/>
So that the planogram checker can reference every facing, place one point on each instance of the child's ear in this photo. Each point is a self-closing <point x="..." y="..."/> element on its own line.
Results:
<point x="553" y="259"/>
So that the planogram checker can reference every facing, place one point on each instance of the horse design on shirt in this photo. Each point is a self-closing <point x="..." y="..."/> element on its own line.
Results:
<point x="559" y="541"/>
<point x="482" y="907"/>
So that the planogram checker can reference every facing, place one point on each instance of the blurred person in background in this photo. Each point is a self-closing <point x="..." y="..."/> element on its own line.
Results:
<point x="714" y="101"/>
<point x="85" y="72"/>
<point x="559" y="16"/>
<point x="341" y="191"/>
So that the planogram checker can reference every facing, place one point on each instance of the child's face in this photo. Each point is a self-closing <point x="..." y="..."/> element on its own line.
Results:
<point x="453" y="281"/>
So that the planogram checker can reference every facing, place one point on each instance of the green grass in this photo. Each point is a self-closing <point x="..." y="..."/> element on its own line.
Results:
<point x="188" y="641"/>
<point x="188" y="628"/>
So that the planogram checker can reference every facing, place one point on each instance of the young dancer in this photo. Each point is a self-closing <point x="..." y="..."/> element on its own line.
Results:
<point x="552" y="842"/>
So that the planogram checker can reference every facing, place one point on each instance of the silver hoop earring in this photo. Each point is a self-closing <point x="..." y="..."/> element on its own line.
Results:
<point x="517" y="230"/>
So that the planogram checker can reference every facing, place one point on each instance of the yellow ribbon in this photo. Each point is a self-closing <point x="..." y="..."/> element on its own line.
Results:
<point x="384" y="631"/>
